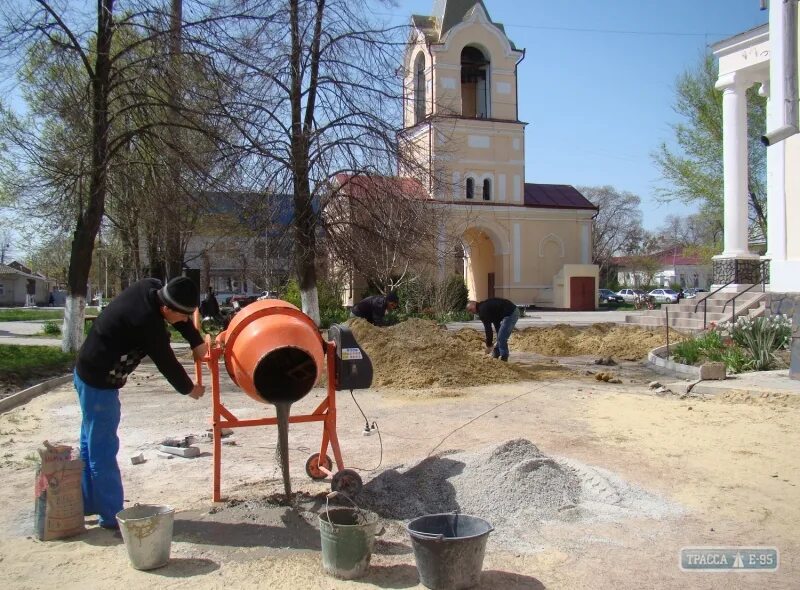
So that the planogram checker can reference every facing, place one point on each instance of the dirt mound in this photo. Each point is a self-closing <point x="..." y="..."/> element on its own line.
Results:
<point x="773" y="399"/>
<point x="418" y="354"/>
<point x="496" y="483"/>
<point x="628" y="343"/>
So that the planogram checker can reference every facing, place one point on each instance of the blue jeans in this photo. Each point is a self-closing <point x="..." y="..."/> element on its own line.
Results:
<point x="504" y="333"/>
<point x="102" y="483"/>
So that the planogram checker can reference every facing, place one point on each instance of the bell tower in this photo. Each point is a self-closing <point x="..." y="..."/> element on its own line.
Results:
<point x="460" y="119"/>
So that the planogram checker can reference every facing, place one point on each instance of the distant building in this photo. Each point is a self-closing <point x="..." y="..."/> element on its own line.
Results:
<point x="20" y="286"/>
<point x="674" y="266"/>
<point x="245" y="245"/>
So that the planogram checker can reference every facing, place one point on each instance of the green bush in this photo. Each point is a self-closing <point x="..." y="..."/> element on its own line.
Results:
<point x="759" y="337"/>
<point x="736" y="360"/>
<point x="748" y="344"/>
<point x="687" y="352"/>
<point x="456" y="294"/>
<point x="52" y="328"/>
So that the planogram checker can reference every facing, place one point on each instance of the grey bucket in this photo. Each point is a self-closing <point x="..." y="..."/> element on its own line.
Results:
<point x="347" y="536"/>
<point x="449" y="549"/>
<point x="147" y="532"/>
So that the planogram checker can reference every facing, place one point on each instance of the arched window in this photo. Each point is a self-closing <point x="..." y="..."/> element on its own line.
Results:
<point x="419" y="88"/>
<point x="470" y="188"/>
<point x="475" y="89"/>
<point x="487" y="189"/>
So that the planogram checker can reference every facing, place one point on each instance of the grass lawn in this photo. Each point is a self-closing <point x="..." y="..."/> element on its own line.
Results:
<point x="21" y="366"/>
<point x="21" y="315"/>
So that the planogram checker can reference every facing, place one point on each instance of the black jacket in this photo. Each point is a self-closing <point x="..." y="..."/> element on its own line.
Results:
<point x="209" y="307"/>
<point x="372" y="309"/>
<point x="491" y="312"/>
<point x="130" y="328"/>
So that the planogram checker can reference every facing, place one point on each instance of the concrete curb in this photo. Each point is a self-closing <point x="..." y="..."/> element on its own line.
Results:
<point x="664" y="365"/>
<point x="26" y="395"/>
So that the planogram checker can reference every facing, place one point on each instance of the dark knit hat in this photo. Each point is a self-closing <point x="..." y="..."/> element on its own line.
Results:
<point x="180" y="294"/>
<point x="392" y="298"/>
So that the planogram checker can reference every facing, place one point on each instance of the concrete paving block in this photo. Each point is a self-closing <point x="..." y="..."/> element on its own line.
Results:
<point x="712" y="371"/>
<point x="187" y="452"/>
<point x="138" y="459"/>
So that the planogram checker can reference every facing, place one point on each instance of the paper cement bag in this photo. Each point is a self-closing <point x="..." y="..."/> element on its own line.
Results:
<point x="59" y="500"/>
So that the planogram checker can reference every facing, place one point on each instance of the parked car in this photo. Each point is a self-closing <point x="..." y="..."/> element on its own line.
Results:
<point x="692" y="292"/>
<point x="608" y="296"/>
<point x="664" y="295"/>
<point x="630" y="295"/>
<point x="242" y="300"/>
<point x="224" y="298"/>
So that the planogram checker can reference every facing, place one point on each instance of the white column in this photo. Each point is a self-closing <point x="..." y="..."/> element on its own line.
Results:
<point x="734" y="156"/>
<point x="775" y="90"/>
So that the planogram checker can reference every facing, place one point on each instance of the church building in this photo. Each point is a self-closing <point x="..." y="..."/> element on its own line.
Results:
<point x="530" y="243"/>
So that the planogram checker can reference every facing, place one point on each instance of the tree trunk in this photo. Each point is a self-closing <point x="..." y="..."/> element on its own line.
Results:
<point x="304" y="222"/>
<point x="89" y="218"/>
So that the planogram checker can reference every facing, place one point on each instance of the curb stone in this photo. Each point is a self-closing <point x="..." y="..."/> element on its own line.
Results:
<point x="26" y="395"/>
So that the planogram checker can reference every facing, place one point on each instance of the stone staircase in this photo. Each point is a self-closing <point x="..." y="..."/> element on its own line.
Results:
<point x="682" y="316"/>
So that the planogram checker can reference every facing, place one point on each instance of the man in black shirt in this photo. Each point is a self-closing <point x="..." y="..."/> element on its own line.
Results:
<point x="501" y="314"/>
<point x="129" y="328"/>
<point x="373" y="309"/>
<point x="209" y="307"/>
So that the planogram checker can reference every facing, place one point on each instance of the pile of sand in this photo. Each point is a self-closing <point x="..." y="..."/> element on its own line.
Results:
<point x="418" y="354"/>
<point x="508" y="481"/>
<point x="627" y="343"/>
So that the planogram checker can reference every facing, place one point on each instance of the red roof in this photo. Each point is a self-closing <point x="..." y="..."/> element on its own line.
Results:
<point x="556" y="196"/>
<point x="675" y="256"/>
<point x="553" y="196"/>
<point x="361" y="185"/>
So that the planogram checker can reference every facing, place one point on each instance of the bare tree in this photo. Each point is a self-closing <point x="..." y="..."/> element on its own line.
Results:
<point x="617" y="226"/>
<point x="382" y="228"/>
<point x="317" y="95"/>
<point x="105" y="99"/>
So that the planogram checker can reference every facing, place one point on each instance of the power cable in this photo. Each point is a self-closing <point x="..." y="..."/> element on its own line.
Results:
<point x="508" y="401"/>
<point x="367" y="429"/>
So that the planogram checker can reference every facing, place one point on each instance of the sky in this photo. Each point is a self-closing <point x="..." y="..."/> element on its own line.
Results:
<point x="597" y="85"/>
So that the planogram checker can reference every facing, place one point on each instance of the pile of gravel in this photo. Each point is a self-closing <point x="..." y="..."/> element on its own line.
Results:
<point x="510" y="481"/>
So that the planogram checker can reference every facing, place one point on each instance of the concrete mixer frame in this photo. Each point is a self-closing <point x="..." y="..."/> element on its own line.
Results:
<point x="222" y="417"/>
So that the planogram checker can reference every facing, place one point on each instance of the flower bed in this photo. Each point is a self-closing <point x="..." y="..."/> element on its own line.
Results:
<point x="748" y="344"/>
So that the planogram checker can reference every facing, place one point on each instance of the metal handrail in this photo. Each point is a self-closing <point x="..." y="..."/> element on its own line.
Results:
<point x="705" y="300"/>
<point x="763" y="283"/>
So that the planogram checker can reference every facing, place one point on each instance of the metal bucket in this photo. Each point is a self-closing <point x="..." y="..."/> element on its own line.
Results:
<point x="347" y="536"/>
<point x="147" y="532"/>
<point x="449" y="549"/>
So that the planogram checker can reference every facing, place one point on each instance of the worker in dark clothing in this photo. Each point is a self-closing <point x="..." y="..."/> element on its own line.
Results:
<point x="209" y="307"/>
<point x="500" y="314"/>
<point x="373" y="309"/>
<point x="130" y="328"/>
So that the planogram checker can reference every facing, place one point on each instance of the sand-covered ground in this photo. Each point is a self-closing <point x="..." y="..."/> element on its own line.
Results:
<point x="588" y="484"/>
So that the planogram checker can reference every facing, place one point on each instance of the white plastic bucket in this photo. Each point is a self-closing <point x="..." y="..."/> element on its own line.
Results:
<point x="147" y="532"/>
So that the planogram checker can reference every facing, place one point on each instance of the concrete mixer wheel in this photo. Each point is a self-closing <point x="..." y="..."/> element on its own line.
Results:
<point x="312" y="467"/>
<point x="346" y="481"/>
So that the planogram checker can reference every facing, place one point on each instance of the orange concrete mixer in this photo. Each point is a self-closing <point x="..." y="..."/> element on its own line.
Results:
<point x="275" y="354"/>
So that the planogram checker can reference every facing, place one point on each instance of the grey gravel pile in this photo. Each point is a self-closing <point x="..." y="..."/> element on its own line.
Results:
<point x="508" y="481"/>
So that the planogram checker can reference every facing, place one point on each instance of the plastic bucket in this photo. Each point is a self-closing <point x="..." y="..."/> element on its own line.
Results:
<point x="147" y="532"/>
<point x="449" y="549"/>
<point x="348" y="536"/>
